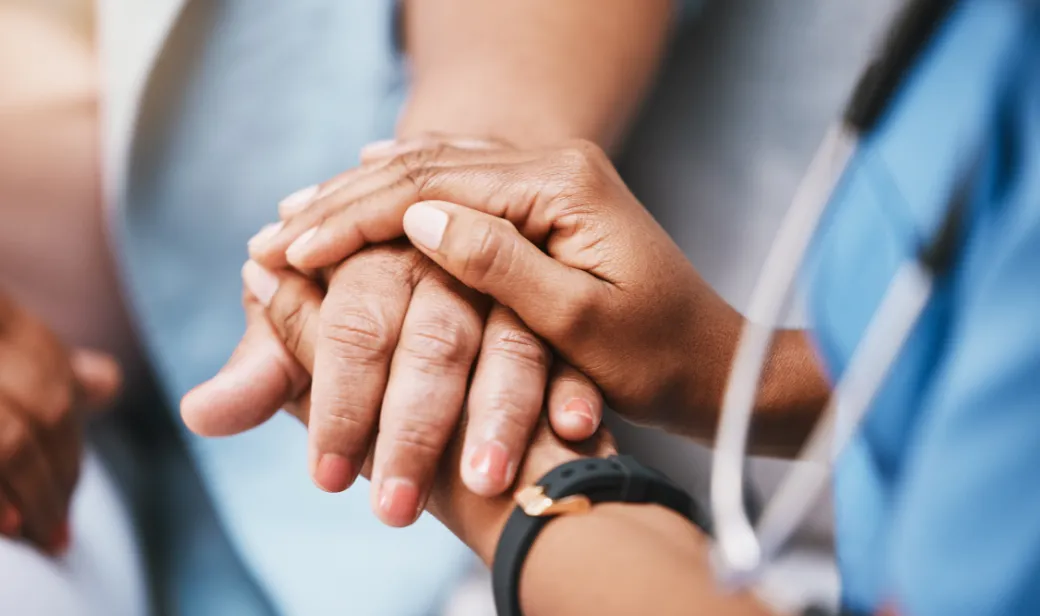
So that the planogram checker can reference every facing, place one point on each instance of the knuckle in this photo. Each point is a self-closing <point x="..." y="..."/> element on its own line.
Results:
<point x="440" y="343"/>
<point x="294" y="323"/>
<point x="356" y="335"/>
<point x="342" y="420"/>
<point x="415" y="166"/>
<point x="519" y="346"/>
<point x="509" y="416"/>
<point x="418" y="436"/>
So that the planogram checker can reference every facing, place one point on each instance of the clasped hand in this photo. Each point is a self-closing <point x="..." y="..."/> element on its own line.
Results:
<point x="518" y="260"/>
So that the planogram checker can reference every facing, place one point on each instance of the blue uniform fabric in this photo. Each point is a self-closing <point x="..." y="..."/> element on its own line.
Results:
<point x="251" y="100"/>
<point x="938" y="495"/>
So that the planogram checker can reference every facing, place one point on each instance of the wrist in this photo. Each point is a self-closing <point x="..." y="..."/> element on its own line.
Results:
<point x="792" y="388"/>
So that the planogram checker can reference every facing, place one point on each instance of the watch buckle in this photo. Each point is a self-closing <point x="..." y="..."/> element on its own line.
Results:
<point x="533" y="501"/>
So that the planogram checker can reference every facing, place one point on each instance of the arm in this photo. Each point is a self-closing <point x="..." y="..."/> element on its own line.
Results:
<point x="612" y="547"/>
<point x="531" y="71"/>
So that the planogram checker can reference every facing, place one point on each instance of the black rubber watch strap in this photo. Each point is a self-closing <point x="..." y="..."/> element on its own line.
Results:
<point x="615" y="479"/>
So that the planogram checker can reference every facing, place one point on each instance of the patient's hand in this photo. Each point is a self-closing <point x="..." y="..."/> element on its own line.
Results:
<point x="292" y="318"/>
<point x="398" y="341"/>
<point x="43" y="387"/>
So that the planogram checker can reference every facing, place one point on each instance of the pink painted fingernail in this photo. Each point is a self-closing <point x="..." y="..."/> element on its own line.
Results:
<point x="11" y="524"/>
<point x="266" y="233"/>
<point x="399" y="501"/>
<point x="490" y="466"/>
<point x="299" y="247"/>
<point x="261" y="282"/>
<point x="425" y="224"/>
<point x="333" y="472"/>
<point x="299" y="200"/>
<point x="578" y="413"/>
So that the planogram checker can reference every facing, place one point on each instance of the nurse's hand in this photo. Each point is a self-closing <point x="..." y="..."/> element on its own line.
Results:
<point x="614" y="296"/>
<point x="44" y="388"/>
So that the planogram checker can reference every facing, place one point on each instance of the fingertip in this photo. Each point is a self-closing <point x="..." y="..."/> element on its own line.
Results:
<point x="398" y="502"/>
<point x="488" y="469"/>
<point x="99" y="375"/>
<point x="575" y="420"/>
<point x="240" y="397"/>
<point x="425" y="223"/>
<point x="333" y="473"/>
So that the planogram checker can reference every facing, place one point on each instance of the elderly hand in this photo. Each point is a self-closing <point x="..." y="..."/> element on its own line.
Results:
<point x="614" y="295"/>
<point x="399" y="343"/>
<point x="42" y="388"/>
<point x="292" y="316"/>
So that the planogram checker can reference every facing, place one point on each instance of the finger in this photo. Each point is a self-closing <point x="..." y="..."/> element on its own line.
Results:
<point x="389" y="148"/>
<point x="38" y="384"/>
<point x="37" y="376"/>
<point x="491" y="256"/>
<point x="425" y="393"/>
<point x="259" y="378"/>
<point x="29" y="480"/>
<point x="547" y="451"/>
<point x="293" y="304"/>
<point x="575" y="403"/>
<point x="98" y="376"/>
<point x="360" y="321"/>
<point x="505" y="402"/>
<point x="368" y="209"/>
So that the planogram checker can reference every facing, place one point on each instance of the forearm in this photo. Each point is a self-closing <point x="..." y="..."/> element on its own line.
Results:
<point x="531" y="72"/>
<point x="625" y="559"/>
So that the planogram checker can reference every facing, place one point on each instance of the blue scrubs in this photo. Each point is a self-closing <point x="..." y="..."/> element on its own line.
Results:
<point x="938" y="495"/>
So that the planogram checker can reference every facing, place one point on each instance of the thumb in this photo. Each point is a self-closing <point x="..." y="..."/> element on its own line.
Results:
<point x="98" y="376"/>
<point x="257" y="381"/>
<point x="490" y="255"/>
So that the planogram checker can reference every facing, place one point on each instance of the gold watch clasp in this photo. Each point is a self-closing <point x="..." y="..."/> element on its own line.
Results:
<point x="533" y="501"/>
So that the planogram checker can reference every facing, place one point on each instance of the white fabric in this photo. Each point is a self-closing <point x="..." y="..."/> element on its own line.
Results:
<point x="102" y="574"/>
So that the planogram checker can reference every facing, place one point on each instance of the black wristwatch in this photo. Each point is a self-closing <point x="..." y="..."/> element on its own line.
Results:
<point x="573" y="488"/>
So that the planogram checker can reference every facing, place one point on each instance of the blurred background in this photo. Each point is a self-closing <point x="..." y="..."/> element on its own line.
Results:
<point x="744" y="98"/>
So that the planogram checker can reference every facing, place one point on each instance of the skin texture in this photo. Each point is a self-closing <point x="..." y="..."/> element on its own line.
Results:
<point x="399" y="338"/>
<point x="555" y="236"/>
<point x="671" y="338"/>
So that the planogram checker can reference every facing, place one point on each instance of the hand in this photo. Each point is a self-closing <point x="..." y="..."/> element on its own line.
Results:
<point x="615" y="297"/>
<point x="42" y="387"/>
<point x="399" y="340"/>
<point x="294" y="320"/>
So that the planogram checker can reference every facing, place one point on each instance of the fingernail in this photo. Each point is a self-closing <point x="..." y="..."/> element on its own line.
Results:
<point x="266" y="233"/>
<point x="299" y="200"/>
<point x="298" y="248"/>
<point x="11" y="524"/>
<point x="425" y="224"/>
<point x="378" y="148"/>
<point x="260" y="282"/>
<point x="578" y="413"/>
<point x="490" y="466"/>
<point x="399" y="501"/>
<point x="62" y="539"/>
<point x="333" y="472"/>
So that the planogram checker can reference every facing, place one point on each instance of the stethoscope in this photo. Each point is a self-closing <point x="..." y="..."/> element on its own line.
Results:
<point x="740" y="550"/>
